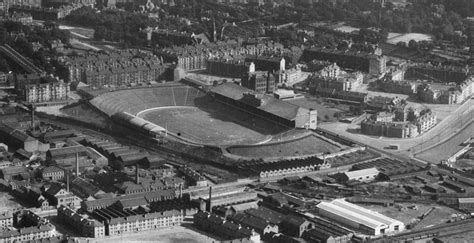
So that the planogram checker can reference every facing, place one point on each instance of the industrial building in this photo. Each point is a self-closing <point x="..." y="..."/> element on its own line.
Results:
<point x="225" y="228"/>
<point x="363" y="175"/>
<point x="359" y="218"/>
<point x="18" y="139"/>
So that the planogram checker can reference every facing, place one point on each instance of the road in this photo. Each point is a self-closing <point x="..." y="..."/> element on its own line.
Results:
<point x="448" y="126"/>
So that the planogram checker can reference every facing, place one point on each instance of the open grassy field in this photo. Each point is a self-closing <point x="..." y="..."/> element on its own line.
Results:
<point x="394" y="38"/>
<point x="305" y="146"/>
<point x="204" y="127"/>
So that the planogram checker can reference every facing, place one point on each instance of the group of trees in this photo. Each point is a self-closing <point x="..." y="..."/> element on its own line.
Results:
<point x="441" y="18"/>
<point x="42" y="36"/>
<point x="112" y="25"/>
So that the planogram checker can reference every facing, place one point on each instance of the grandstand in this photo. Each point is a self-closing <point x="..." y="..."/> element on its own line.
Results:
<point x="187" y="113"/>
<point x="134" y="101"/>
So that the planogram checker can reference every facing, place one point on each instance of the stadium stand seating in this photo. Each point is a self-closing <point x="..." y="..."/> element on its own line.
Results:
<point x="136" y="100"/>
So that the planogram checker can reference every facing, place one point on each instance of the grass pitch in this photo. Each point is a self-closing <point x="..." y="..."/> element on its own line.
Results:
<point x="204" y="127"/>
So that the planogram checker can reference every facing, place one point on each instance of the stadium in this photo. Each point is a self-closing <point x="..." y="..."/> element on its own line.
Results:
<point x="193" y="116"/>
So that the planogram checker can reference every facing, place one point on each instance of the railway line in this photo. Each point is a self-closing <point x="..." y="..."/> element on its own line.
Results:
<point x="444" y="230"/>
<point x="19" y="59"/>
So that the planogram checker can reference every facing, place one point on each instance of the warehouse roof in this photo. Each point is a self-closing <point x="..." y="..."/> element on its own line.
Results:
<point x="357" y="214"/>
<point x="71" y="150"/>
<point x="361" y="173"/>
<point x="466" y="200"/>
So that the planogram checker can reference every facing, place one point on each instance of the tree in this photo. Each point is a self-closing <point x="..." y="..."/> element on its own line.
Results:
<point x="4" y="67"/>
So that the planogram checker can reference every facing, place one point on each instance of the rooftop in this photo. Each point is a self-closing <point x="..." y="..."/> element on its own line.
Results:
<point x="271" y="105"/>
<point x="357" y="214"/>
<point x="362" y="173"/>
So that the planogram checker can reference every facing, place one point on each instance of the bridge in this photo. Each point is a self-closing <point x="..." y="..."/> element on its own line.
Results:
<point x="20" y="60"/>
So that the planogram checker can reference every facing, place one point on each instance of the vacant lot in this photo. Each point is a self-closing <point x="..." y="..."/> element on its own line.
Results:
<point x="409" y="214"/>
<point x="172" y="235"/>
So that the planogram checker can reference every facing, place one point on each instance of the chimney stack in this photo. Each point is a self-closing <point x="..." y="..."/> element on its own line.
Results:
<point x="33" y="118"/>
<point x="137" y="176"/>
<point x="180" y="191"/>
<point x="210" y="199"/>
<point x="77" y="164"/>
<point x="67" y="181"/>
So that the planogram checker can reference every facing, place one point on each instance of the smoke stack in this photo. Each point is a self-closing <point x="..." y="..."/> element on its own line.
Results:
<point x="210" y="199"/>
<point x="77" y="164"/>
<point x="33" y="118"/>
<point x="67" y="181"/>
<point x="180" y="191"/>
<point x="137" y="177"/>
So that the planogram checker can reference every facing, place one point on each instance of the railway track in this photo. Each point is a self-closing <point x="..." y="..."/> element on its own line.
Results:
<point x="21" y="60"/>
<point x="444" y="230"/>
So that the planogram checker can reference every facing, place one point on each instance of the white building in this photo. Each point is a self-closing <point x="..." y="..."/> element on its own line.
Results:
<point x="362" y="175"/>
<point x="364" y="220"/>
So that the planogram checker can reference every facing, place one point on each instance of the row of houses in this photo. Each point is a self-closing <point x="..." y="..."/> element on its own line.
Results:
<point x="39" y="89"/>
<point x="450" y="94"/>
<point x="111" y="222"/>
<point x="193" y="57"/>
<point x="115" y="69"/>
<point x="284" y="167"/>
<point x="28" y="227"/>
<point x="387" y="126"/>
<point x="373" y="63"/>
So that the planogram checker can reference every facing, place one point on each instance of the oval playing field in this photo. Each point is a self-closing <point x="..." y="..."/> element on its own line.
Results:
<point x="189" y="114"/>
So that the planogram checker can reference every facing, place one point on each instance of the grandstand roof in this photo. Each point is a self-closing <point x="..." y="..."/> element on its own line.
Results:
<point x="271" y="105"/>
<point x="139" y="122"/>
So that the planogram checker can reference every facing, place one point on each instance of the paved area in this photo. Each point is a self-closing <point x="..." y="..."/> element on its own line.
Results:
<point x="449" y="126"/>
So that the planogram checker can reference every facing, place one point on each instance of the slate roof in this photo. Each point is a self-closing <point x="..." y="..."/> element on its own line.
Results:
<point x="271" y="105"/>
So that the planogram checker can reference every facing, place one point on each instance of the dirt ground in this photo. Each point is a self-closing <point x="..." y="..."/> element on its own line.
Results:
<point x="441" y="214"/>
<point x="177" y="234"/>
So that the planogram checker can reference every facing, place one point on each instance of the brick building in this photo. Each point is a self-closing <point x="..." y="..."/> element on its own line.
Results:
<point x="86" y="227"/>
<point x="36" y="88"/>
<point x="448" y="94"/>
<point x="368" y="62"/>
<point x="224" y="228"/>
<point x="259" y="81"/>
<point x="234" y="68"/>
<point x="403" y="123"/>
<point x="114" y="69"/>
<point x="127" y="222"/>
